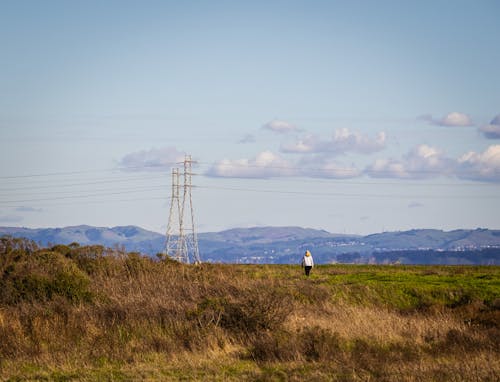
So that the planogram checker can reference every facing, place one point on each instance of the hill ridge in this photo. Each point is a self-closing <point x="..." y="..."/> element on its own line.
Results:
<point x="271" y="244"/>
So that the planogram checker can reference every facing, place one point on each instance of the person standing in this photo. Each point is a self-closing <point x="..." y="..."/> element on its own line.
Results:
<point x="307" y="262"/>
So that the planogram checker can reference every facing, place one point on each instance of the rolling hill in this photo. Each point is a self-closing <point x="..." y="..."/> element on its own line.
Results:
<point x="286" y="244"/>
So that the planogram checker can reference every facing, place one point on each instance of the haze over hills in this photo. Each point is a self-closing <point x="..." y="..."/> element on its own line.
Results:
<point x="286" y="244"/>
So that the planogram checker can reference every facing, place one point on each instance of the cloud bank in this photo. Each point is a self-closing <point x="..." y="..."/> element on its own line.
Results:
<point x="483" y="166"/>
<point x="249" y="138"/>
<point x="151" y="160"/>
<point x="423" y="161"/>
<point x="342" y="141"/>
<point x="280" y="127"/>
<point x="266" y="164"/>
<point x="323" y="166"/>
<point x="270" y="165"/>
<point x="451" y="119"/>
<point x="492" y="130"/>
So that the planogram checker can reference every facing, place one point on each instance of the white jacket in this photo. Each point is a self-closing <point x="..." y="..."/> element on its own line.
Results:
<point x="307" y="261"/>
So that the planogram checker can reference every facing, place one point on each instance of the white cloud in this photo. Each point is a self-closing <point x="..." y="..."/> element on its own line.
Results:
<point x="422" y="161"/>
<point x="280" y="127"/>
<point x="387" y="168"/>
<point x="270" y="165"/>
<point x="342" y="141"/>
<point x="456" y="119"/>
<point x="451" y="119"/>
<point x="249" y="138"/>
<point x="425" y="162"/>
<point x="325" y="167"/>
<point x="153" y="159"/>
<point x="480" y="166"/>
<point x="265" y="165"/>
<point x="308" y="144"/>
<point x="492" y="131"/>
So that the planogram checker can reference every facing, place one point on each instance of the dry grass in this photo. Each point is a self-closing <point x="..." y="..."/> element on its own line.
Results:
<point x="378" y="324"/>
<point x="137" y="319"/>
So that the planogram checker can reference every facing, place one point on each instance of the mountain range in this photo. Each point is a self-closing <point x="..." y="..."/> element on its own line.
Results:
<point x="286" y="244"/>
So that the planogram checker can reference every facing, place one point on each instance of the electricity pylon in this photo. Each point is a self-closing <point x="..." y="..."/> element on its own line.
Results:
<point x="182" y="241"/>
<point x="174" y="246"/>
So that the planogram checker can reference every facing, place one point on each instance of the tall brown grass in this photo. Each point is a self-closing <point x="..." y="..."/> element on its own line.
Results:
<point x="221" y="322"/>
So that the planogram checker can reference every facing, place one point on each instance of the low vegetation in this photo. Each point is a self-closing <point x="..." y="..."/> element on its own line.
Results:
<point x="97" y="314"/>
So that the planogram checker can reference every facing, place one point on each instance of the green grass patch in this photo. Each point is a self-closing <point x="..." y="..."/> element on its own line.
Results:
<point x="412" y="287"/>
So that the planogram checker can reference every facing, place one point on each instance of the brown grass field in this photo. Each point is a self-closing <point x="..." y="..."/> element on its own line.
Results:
<point x="72" y="313"/>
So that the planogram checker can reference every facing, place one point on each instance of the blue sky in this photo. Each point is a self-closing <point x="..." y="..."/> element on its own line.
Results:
<point x="350" y="116"/>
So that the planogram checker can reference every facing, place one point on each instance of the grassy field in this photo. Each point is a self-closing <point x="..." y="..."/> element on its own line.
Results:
<point x="73" y="313"/>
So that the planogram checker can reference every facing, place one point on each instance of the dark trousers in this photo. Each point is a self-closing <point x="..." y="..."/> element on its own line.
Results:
<point x="307" y="269"/>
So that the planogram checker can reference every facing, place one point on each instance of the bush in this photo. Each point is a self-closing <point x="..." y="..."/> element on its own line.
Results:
<point x="309" y="344"/>
<point x="41" y="276"/>
<point x="281" y="346"/>
<point x="258" y="309"/>
<point x="319" y="344"/>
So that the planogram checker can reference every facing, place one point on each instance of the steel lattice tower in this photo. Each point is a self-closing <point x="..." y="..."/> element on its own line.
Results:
<point x="182" y="241"/>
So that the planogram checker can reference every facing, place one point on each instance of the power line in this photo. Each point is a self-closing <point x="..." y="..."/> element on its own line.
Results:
<point x="146" y="188"/>
<point x="97" y="181"/>
<point x="115" y="169"/>
<point x="401" y="182"/>
<point x="127" y="190"/>
<point x="255" y="190"/>
<point x="241" y="165"/>
<point x="75" y="196"/>
<point x="87" y="202"/>
<point x="56" y="195"/>
<point x="347" y="170"/>
<point x="52" y="192"/>
<point x="335" y="194"/>
<point x="53" y="174"/>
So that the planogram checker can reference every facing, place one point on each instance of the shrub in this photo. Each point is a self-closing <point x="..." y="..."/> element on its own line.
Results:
<point x="41" y="276"/>
<point x="88" y="258"/>
<point x="10" y="244"/>
<point x="208" y="312"/>
<point x="309" y="344"/>
<point x="319" y="344"/>
<point x="275" y="346"/>
<point x="262" y="308"/>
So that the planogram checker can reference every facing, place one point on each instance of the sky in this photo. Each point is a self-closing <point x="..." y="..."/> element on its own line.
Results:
<point x="350" y="116"/>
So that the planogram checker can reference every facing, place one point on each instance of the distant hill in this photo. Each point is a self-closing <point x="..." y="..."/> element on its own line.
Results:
<point x="265" y="235"/>
<point x="435" y="239"/>
<point x="131" y="237"/>
<point x="286" y="244"/>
